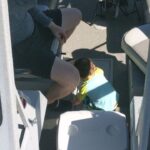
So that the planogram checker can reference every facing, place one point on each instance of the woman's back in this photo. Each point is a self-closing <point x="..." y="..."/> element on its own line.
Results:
<point x="21" y="22"/>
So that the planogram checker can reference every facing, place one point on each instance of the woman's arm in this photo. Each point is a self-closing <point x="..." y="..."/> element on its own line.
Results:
<point x="46" y="21"/>
<point x="39" y="16"/>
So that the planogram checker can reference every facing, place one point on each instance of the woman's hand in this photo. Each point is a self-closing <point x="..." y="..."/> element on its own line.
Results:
<point x="58" y="32"/>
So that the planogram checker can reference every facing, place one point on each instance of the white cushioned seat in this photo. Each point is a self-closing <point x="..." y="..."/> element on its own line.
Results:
<point x="92" y="130"/>
<point x="135" y="43"/>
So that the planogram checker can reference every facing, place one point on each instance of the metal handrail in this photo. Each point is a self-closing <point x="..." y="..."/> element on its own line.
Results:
<point x="8" y="128"/>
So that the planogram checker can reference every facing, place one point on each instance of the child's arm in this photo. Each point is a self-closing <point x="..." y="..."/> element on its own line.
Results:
<point x="81" y="94"/>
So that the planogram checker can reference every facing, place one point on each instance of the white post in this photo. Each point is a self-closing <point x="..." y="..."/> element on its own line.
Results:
<point x="8" y="129"/>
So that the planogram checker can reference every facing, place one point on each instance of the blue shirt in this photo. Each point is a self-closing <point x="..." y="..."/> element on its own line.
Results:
<point x="99" y="90"/>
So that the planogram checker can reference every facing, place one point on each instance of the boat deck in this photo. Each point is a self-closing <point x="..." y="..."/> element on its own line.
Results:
<point x="98" y="38"/>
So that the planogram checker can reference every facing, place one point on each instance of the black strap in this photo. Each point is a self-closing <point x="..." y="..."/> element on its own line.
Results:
<point x="88" y="102"/>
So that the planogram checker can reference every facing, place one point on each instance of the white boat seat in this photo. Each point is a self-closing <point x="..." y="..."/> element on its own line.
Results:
<point x="135" y="43"/>
<point x="92" y="130"/>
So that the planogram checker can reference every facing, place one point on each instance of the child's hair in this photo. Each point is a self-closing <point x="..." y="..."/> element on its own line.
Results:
<point x="84" y="65"/>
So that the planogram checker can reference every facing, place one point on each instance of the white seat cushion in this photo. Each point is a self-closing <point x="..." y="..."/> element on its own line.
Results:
<point x="136" y="45"/>
<point x="92" y="130"/>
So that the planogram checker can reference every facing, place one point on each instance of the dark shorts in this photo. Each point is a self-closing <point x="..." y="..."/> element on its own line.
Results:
<point x="34" y="53"/>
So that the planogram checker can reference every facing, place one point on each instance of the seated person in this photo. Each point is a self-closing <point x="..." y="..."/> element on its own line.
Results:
<point x="31" y="31"/>
<point x="95" y="90"/>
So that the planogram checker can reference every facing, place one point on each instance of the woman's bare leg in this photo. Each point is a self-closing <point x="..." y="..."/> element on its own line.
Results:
<point x="65" y="77"/>
<point x="71" y="17"/>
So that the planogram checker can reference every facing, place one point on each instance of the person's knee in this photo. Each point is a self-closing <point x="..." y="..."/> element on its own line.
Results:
<point x="76" y="79"/>
<point x="65" y="74"/>
<point x="71" y="17"/>
<point x="78" y="15"/>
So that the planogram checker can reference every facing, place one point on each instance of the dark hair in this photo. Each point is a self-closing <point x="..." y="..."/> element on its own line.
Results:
<point x="84" y="66"/>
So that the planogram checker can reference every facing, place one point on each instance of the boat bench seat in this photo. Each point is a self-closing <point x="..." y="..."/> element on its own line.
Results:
<point x="135" y="43"/>
<point x="92" y="130"/>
